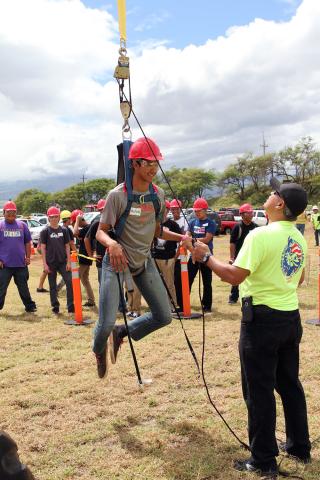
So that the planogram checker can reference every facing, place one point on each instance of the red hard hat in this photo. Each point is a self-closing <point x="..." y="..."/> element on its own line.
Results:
<point x="246" y="208"/>
<point x="101" y="203"/>
<point x="200" y="204"/>
<point x="75" y="214"/>
<point x="175" y="203"/>
<point x="10" y="206"/>
<point x="53" y="211"/>
<point x="146" y="149"/>
<point x="168" y="204"/>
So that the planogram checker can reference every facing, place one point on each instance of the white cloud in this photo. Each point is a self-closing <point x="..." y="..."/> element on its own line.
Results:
<point x="59" y="107"/>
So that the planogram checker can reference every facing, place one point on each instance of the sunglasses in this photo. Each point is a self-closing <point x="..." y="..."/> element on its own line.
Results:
<point x="147" y="163"/>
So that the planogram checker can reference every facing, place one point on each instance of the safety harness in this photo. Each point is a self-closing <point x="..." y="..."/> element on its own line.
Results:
<point x="127" y="173"/>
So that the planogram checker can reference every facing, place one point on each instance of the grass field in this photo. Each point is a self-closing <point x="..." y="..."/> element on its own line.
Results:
<point x="69" y="424"/>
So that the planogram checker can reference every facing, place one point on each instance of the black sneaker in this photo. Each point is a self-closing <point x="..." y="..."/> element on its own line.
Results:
<point x="115" y="341"/>
<point x="102" y="362"/>
<point x="42" y="290"/>
<point x="303" y="459"/>
<point x="55" y="309"/>
<point x="270" y="472"/>
<point x="89" y="304"/>
<point x="31" y="309"/>
<point x="232" y="302"/>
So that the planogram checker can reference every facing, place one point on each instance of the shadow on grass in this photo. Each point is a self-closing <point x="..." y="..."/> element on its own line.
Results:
<point x="22" y="317"/>
<point x="185" y="451"/>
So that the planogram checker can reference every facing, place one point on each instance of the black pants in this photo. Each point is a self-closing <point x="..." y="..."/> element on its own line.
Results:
<point x="21" y="277"/>
<point x="206" y="274"/>
<point x="52" y="279"/>
<point x="234" y="294"/>
<point x="269" y="355"/>
<point x="316" y="237"/>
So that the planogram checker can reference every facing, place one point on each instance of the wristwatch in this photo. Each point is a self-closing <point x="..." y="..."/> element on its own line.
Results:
<point x="206" y="257"/>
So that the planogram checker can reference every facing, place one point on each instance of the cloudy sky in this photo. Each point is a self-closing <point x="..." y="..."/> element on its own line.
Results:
<point x="208" y="77"/>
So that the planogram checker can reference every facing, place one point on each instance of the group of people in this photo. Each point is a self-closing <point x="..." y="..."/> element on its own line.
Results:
<point x="267" y="262"/>
<point x="55" y="245"/>
<point x="269" y="267"/>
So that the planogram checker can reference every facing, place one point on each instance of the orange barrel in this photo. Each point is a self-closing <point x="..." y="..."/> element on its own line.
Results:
<point x="76" y="287"/>
<point x="185" y="282"/>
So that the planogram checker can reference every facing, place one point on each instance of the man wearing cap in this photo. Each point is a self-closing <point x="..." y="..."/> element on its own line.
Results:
<point x="203" y="229"/>
<point x="15" y="250"/>
<point x="128" y="253"/>
<point x="90" y="240"/>
<point x="238" y="234"/>
<point x="315" y="220"/>
<point x="55" y="250"/>
<point x="269" y="268"/>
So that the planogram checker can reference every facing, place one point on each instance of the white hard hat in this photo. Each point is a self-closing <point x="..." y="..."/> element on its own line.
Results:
<point x="315" y="207"/>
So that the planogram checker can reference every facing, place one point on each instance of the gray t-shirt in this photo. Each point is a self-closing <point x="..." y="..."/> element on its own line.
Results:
<point x="140" y="224"/>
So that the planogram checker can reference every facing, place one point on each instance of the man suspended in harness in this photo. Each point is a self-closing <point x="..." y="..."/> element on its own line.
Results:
<point x="134" y="212"/>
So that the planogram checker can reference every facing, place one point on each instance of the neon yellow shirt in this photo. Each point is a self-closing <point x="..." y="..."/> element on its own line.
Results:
<point x="315" y="220"/>
<point x="275" y="256"/>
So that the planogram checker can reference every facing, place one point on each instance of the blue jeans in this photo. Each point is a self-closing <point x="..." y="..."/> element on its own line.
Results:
<point x="21" y="277"/>
<point x="151" y="287"/>
<point x="301" y="227"/>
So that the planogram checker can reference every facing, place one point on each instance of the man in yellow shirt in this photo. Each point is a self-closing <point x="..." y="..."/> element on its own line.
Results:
<point x="315" y="220"/>
<point x="269" y="268"/>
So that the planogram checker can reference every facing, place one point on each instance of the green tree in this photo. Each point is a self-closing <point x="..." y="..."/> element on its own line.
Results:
<point x="187" y="183"/>
<point x="32" y="200"/>
<point x="81" y="194"/>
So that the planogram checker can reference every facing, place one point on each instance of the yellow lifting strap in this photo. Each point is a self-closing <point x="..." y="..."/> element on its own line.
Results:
<point x="122" y="20"/>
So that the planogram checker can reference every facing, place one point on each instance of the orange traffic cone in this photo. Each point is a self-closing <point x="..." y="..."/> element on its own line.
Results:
<point x="77" y="297"/>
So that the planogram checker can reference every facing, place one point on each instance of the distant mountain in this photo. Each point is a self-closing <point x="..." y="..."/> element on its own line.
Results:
<point x="9" y="190"/>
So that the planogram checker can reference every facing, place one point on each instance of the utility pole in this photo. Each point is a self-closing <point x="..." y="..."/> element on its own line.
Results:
<point x="264" y="145"/>
<point x="83" y="178"/>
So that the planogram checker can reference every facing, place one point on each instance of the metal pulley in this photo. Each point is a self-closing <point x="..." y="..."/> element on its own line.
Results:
<point x="122" y="71"/>
<point x="125" y="109"/>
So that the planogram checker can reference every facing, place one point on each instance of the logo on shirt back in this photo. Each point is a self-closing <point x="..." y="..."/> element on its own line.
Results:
<point x="292" y="258"/>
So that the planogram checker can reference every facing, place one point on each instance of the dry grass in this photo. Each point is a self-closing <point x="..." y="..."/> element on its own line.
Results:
<point x="71" y="425"/>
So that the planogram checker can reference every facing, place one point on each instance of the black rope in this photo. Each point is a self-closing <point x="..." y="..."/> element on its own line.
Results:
<point x="123" y="305"/>
<point x="188" y="341"/>
<point x="243" y="444"/>
<point x="193" y="353"/>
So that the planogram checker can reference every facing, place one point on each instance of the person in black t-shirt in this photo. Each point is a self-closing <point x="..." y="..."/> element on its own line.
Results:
<point x="92" y="244"/>
<point x="55" y="250"/>
<point x="238" y="234"/>
<point x="164" y="253"/>
<point x="80" y="229"/>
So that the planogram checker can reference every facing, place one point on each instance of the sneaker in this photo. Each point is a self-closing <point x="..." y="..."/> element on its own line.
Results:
<point x="303" y="459"/>
<point x="115" y="341"/>
<point x="133" y="315"/>
<point x="207" y="310"/>
<point x="233" y="302"/>
<point x="89" y="304"/>
<point x="42" y="290"/>
<point x="270" y="472"/>
<point x="31" y="309"/>
<point x="102" y="362"/>
<point x="55" y="309"/>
